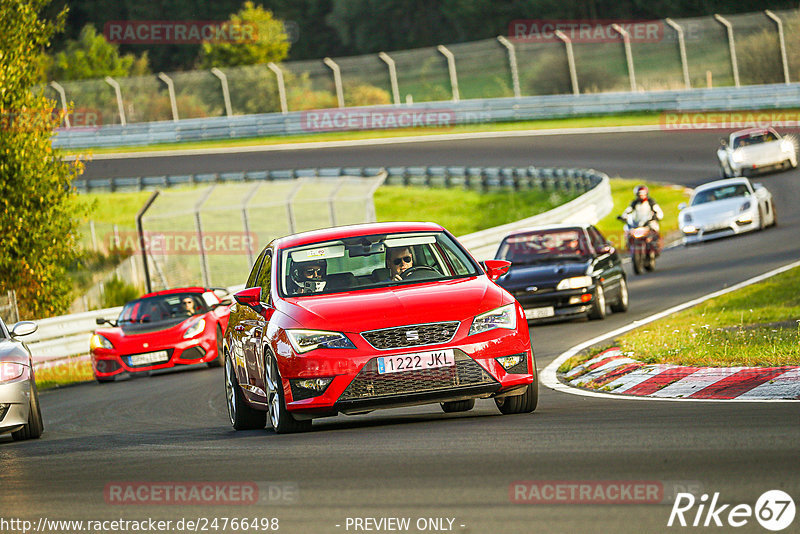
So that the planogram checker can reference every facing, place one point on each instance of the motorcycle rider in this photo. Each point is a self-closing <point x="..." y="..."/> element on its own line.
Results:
<point x="643" y="207"/>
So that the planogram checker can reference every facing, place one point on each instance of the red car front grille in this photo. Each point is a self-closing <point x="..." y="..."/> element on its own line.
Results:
<point x="369" y="383"/>
<point x="415" y="335"/>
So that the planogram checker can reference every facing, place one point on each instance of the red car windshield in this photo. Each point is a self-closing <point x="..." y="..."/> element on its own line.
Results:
<point x="372" y="261"/>
<point x="163" y="308"/>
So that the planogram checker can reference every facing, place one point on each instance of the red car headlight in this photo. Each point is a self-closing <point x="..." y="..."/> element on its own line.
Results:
<point x="100" y="342"/>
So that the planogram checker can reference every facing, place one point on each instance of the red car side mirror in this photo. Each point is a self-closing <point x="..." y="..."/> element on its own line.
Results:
<point x="496" y="268"/>
<point x="249" y="297"/>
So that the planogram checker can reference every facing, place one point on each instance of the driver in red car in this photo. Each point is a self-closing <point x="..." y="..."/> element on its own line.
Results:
<point x="309" y="276"/>
<point x="398" y="260"/>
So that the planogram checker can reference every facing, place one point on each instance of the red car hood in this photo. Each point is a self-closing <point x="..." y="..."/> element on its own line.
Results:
<point x="358" y="311"/>
<point x="155" y="335"/>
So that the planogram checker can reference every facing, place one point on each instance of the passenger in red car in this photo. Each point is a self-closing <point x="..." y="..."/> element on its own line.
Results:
<point x="398" y="260"/>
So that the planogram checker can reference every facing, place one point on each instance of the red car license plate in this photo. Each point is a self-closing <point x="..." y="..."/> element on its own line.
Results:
<point x="416" y="361"/>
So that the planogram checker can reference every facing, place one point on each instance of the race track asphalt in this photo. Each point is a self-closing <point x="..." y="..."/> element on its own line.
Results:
<point x="419" y="462"/>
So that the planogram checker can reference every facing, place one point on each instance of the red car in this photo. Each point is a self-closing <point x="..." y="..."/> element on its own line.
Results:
<point x="356" y="318"/>
<point x="159" y="330"/>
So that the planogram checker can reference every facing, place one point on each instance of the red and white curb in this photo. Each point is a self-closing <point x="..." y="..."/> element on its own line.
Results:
<point x="626" y="378"/>
<point x="615" y="372"/>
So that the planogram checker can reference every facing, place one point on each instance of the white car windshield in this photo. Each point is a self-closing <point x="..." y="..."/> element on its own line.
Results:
<point x="754" y="139"/>
<point x="372" y="261"/>
<point x="720" y="193"/>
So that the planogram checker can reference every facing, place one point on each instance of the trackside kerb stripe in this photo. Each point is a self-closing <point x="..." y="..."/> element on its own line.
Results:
<point x="661" y="380"/>
<point x="736" y="384"/>
<point x="622" y="371"/>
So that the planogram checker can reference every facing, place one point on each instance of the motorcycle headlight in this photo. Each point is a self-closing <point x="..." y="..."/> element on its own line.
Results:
<point x="576" y="282"/>
<point x="502" y="317"/>
<point x="306" y="340"/>
<point x="195" y="330"/>
<point x="640" y="232"/>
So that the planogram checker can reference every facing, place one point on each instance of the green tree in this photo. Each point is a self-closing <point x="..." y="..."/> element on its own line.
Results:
<point x="91" y="56"/>
<point x="38" y="211"/>
<point x="263" y="39"/>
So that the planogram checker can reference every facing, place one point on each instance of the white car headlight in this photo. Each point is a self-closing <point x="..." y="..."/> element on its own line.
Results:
<point x="787" y="146"/>
<point x="306" y="340"/>
<point x="502" y="317"/>
<point x="737" y="156"/>
<point x="576" y="282"/>
<point x="195" y="330"/>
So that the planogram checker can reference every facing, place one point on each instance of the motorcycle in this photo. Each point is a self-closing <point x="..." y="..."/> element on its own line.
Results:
<point x="643" y="241"/>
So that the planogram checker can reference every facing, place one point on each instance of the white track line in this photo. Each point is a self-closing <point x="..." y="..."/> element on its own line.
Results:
<point x="548" y="374"/>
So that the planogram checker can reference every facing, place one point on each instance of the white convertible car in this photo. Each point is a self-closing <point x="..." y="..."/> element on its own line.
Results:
<point x="726" y="207"/>
<point x="755" y="150"/>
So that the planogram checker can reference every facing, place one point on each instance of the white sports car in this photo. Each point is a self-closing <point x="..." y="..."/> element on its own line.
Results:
<point x="755" y="150"/>
<point x="724" y="208"/>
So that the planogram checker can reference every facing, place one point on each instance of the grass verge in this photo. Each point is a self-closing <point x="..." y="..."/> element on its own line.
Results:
<point x="70" y="372"/>
<point x="756" y="326"/>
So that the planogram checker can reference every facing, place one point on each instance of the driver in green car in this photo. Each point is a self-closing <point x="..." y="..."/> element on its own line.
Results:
<point x="398" y="260"/>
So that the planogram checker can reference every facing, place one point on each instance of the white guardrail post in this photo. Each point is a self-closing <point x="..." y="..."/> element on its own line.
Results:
<point x="682" y="49"/>
<point x="451" y="67"/>
<point x="281" y="86"/>
<point x="63" y="96"/>
<point x="226" y="95"/>
<point x="120" y="106"/>
<point x="731" y="46"/>
<point x="781" y="43"/>
<point x="337" y="79"/>
<point x="171" y="89"/>
<point x="626" y="39"/>
<point x="392" y="76"/>
<point x="512" y="63"/>
<point x="573" y="73"/>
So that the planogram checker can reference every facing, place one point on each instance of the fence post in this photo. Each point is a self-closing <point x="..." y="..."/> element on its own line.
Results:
<point x="142" y="244"/>
<point x="332" y="201"/>
<point x="392" y="76"/>
<point x="57" y="86"/>
<point x="337" y="79"/>
<point x="731" y="46"/>
<point x="626" y="39"/>
<point x="199" y="227"/>
<point x="226" y="95"/>
<point x="246" y="223"/>
<point x="573" y="73"/>
<point x="451" y="66"/>
<point x="682" y="48"/>
<point x="289" y="200"/>
<point x="781" y="42"/>
<point x="281" y="87"/>
<point x="512" y="63"/>
<point x="113" y="83"/>
<point x="171" y="88"/>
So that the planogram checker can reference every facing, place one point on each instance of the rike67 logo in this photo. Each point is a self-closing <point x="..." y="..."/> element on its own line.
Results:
<point x="774" y="510"/>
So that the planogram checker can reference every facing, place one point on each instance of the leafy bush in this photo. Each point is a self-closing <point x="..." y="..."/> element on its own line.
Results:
<point x="117" y="292"/>
<point x="365" y="95"/>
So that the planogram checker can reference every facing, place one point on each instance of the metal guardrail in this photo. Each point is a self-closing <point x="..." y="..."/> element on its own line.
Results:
<point x="479" y="178"/>
<point x="61" y="338"/>
<point x="773" y="96"/>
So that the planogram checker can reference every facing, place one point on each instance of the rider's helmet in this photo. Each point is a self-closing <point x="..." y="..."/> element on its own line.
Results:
<point x="641" y="188"/>
<point x="309" y="276"/>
